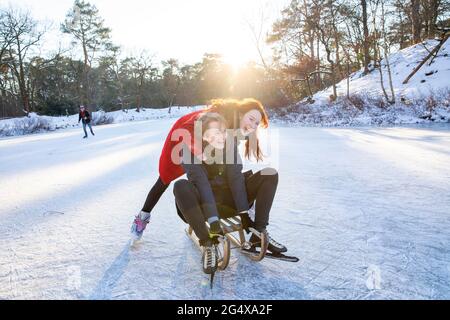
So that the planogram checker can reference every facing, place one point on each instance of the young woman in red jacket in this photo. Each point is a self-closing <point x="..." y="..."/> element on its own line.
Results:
<point x="246" y="115"/>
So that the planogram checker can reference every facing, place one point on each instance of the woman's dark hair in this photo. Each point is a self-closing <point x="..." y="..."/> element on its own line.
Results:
<point x="208" y="117"/>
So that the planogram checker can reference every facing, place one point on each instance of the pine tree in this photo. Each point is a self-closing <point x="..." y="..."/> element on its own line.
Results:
<point x="84" y="23"/>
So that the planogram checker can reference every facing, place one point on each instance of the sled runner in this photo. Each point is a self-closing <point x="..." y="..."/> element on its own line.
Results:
<point x="234" y="234"/>
<point x="271" y="255"/>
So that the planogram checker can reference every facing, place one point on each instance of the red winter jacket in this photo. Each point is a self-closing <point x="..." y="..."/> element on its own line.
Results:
<point x="168" y="170"/>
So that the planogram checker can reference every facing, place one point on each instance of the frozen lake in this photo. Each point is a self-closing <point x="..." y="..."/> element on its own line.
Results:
<point x="367" y="211"/>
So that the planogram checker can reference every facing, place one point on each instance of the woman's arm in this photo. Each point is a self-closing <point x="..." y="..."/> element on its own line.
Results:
<point x="198" y="176"/>
<point x="236" y="180"/>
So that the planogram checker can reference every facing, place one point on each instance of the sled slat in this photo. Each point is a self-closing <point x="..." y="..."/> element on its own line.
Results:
<point x="225" y="222"/>
<point x="235" y="221"/>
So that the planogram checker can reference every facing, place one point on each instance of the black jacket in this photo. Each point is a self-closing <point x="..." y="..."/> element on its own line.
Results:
<point x="212" y="179"/>
<point x="87" y="117"/>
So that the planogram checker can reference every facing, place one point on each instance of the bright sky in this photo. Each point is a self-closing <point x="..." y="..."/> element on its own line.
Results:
<point x="180" y="29"/>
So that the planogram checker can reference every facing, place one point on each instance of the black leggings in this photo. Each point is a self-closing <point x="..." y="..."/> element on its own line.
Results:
<point x="155" y="193"/>
<point x="261" y="188"/>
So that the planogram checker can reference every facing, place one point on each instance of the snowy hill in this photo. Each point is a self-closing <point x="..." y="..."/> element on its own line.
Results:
<point x="425" y="97"/>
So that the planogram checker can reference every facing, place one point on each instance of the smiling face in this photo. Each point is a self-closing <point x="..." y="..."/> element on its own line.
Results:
<point x="215" y="134"/>
<point x="250" y="122"/>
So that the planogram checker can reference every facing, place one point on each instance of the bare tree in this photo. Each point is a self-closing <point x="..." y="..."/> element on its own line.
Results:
<point x="171" y="81"/>
<point x="325" y="24"/>
<point x="141" y="67"/>
<point x="25" y="36"/>
<point x="381" y="47"/>
<point x="257" y="30"/>
<point x="260" y="37"/>
<point x="6" y="36"/>
<point x="112" y="65"/>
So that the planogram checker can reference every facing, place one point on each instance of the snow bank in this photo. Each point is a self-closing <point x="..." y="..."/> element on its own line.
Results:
<point x="35" y="123"/>
<point x="425" y="98"/>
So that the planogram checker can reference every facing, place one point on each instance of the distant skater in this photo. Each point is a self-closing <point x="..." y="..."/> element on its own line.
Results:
<point x="85" y="117"/>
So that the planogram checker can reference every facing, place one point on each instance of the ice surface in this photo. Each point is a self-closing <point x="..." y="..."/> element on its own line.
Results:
<point x="367" y="211"/>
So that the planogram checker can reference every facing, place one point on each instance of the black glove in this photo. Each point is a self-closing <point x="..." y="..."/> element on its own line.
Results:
<point x="246" y="221"/>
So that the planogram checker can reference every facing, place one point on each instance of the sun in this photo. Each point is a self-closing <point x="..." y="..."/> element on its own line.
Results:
<point x="235" y="61"/>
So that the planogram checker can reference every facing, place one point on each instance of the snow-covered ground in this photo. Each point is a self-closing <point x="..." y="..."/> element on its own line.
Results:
<point x="429" y="78"/>
<point x="367" y="211"/>
<point x="38" y="124"/>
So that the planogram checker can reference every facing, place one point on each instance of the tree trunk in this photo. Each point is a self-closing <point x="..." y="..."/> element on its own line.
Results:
<point x="139" y="98"/>
<point x="319" y="79"/>
<point x="433" y="18"/>
<point x="85" y="82"/>
<point x="338" y="56"/>
<point x="348" y="80"/>
<point x="332" y="69"/>
<point x="21" y="80"/>
<point x="310" y="32"/>
<point x="386" y="58"/>
<point x="333" y="79"/>
<point x="380" y="69"/>
<point x="366" y="37"/>
<point x="434" y="51"/>
<point x="401" y="30"/>
<point x="415" y="19"/>
<point x="391" y="85"/>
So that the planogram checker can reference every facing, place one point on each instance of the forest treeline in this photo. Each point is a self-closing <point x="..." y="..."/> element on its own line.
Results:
<point x="314" y="44"/>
